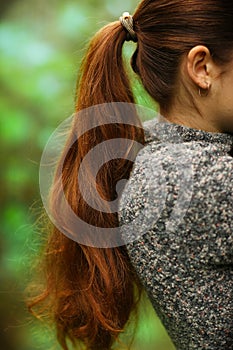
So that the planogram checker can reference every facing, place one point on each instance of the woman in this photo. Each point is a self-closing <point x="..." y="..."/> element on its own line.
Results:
<point x="181" y="253"/>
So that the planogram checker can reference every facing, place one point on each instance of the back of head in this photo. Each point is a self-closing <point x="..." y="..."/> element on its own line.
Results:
<point x="167" y="30"/>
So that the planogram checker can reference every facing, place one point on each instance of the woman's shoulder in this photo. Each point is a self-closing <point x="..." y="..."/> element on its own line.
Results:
<point x="157" y="160"/>
<point x="181" y="175"/>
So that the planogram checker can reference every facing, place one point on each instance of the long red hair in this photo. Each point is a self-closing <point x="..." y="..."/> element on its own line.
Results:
<point x="90" y="292"/>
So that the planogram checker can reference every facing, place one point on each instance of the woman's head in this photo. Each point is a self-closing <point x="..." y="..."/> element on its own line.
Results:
<point x="168" y="30"/>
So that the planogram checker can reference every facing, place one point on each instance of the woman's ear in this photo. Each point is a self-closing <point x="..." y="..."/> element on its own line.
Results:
<point x="200" y="66"/>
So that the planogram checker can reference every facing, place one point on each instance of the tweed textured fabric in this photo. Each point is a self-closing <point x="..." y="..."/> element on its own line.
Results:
<point x="176" y="213"/>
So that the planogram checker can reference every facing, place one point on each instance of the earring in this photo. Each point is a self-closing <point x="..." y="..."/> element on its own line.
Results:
<point x="206" y="91"/>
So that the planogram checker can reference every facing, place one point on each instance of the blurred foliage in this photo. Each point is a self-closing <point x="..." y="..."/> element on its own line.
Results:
<point x="41" y="46"/>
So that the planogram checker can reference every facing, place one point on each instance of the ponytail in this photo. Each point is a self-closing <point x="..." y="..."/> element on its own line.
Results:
<point x="90" y="291"/>
<point x="103" y="78"/>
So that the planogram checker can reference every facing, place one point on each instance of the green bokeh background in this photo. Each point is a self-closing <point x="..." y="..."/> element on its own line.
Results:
<point x="41" y="46"/>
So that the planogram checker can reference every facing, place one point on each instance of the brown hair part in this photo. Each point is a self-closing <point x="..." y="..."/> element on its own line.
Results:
<point x="89" y="291"/>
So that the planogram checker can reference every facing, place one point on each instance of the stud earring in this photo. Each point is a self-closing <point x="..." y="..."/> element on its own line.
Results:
<point x="206" y="91"/>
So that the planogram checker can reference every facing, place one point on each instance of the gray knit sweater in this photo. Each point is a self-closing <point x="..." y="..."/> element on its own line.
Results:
<point x="177" y="212"/>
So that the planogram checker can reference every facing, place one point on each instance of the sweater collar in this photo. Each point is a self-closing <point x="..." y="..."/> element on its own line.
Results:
<point x="161" y="130"/>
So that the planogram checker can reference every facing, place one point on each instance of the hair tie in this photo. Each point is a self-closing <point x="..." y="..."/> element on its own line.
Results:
<point x="127" y="22"/>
